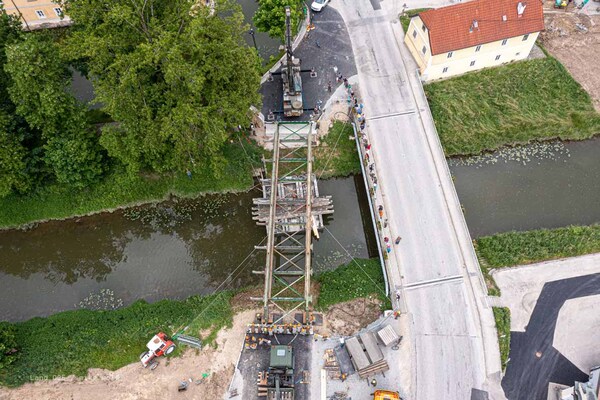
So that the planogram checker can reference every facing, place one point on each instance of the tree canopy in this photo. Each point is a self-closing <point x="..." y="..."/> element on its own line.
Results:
<point x="270" y="16"/>
<point x="176" y="78"/>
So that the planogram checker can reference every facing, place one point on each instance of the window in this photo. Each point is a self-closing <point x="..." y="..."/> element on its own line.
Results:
<point x="504" y="42"/>
<point x="478" y="48"/>
<point x="445" y="70"/>
<point x="424" y="49"/>
<point x="424" y="28"/>
<point x="526" y="37"/>
<point x="415" y="33"/>
<point x="472" y="63"/>
<point x="40" y="14"/>
<point x="497" y="57"/>
<point x="58" y="11"/>
<point x="450" y="54"/>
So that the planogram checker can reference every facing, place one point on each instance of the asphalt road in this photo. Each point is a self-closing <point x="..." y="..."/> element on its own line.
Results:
<point x="527" y="375"/>
<point x="451" y="328"/>
<point x="325" y="47"/>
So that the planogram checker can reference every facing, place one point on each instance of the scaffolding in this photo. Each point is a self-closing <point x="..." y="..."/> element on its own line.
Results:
<point x="291" y="210"/>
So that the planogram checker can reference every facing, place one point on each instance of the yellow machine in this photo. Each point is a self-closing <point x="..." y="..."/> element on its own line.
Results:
<point x="386" y="395"/>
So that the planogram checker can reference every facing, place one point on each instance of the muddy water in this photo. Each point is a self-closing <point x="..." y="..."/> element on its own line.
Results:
<point x="541" y="186"/>
<point x="172" y="250"/>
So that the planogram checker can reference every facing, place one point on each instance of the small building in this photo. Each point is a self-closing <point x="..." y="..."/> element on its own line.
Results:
<point x="37" y="14"/>
<point x="469" y="36"/>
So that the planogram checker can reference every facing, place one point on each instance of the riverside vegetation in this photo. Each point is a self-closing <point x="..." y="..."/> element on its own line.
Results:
<point x="71" y="342"/>
<point x="514" y="104"/>
<point x="517" y="248"/>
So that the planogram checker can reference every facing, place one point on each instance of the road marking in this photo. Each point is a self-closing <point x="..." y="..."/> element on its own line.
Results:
<point x="431" y="282"/>
<point x="392" y="115"/>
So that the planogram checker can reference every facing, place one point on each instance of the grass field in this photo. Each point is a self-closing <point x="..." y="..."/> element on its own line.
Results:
<point x="513" y="104"/>
<point x="358" y="278"/>
<point x="517" y="248"/>
<point x="337" y="155"/>
<point x="405" y="19"/>
<point x="73" y="341"/>
<point x="119" y="189"/>
<point x="502" y="317"/>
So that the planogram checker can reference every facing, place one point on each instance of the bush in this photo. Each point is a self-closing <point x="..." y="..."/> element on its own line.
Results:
<point x="358" y="278"/>
<point x="502" y="317"/>
<point x="8" y="345"/>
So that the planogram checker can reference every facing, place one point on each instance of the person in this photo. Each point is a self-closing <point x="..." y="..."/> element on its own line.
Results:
<point x="345" y="82"/>
<point x="189" y="174"/>
<point x="329" y="86"/>
<point x="374" y="382"/>
<point x="371" y="166"/>
<point x="388" y="248"/>
<point x="397" y="295"/>
<point x="398" y="239"/>
<point x="386" y="239"/>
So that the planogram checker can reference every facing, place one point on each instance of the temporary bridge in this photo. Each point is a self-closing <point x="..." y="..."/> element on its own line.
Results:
<point x="292" y="210"/>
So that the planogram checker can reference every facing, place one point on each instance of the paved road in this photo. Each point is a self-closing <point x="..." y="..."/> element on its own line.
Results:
<point x="456" y="355"/>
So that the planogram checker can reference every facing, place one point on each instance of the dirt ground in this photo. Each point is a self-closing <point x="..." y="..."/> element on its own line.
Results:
<point x="574" y="39"/>
<point x="347" y="318"/>
<point x="134" y="382"/>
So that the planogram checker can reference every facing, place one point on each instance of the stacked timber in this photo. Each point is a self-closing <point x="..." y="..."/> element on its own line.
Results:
<point x="365" y="355"/>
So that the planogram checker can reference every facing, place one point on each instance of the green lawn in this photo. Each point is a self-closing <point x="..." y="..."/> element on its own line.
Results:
<point x="73" y="341"/>
<point x="358" y="278"/>
<point x="502" y="317"/>
<point x="517" y="248"/>
<point x="119" y="189"/>
<point x="337" y="154"/>
<point x="405" y="19"/>
<point x="513" y="104"/>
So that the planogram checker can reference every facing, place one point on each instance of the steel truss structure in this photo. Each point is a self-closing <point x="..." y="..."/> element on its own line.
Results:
<point x="291" y="210"/>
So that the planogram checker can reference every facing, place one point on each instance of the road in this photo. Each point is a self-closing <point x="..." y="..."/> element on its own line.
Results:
<point x="455" y="348"/>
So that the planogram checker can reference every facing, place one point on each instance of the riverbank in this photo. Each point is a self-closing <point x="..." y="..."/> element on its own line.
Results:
<point x="120" y="190"/>
<point x="514" y="104"/>
<point x="336" y="157"/>
<point x="71" y="342"/>
<point x="519" y="248"/>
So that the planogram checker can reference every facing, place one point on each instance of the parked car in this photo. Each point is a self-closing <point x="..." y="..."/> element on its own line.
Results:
<point x="318" y="5"/>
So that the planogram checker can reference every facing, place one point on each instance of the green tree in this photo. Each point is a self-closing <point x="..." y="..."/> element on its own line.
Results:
<point x="270" y="16"/>
<point x="13" y="165"/>
<point x="177" y="78"/>
<point x="39" y="79"/>
<point x="8" y="344"/>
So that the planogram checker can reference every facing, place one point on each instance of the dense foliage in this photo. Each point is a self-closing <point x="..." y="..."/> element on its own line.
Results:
<point x="73" y="341"/>
<point x="173" y="78"/>
<point x="8" y="345"/>
<point x="358" y="278"/>
<point x="177" y="78"/>
<point x="514" y="104"/>
<point x="270" y="16"/>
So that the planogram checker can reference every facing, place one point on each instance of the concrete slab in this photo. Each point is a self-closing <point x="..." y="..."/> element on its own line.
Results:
<point x="521" y="286"/>
<point x="577" y="333"/>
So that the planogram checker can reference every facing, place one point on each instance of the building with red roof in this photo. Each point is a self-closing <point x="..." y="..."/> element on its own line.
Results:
<point x="469" y="36"/>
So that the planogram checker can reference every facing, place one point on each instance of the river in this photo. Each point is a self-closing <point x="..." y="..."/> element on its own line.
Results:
<point x="170" y="250"/>
<point x="545" y="185"/>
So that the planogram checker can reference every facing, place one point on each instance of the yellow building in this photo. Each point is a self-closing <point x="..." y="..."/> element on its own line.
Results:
<point x="37" y="14"/>
<point x="470" y="36"/>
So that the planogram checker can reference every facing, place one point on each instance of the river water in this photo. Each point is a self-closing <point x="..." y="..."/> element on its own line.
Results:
<point x="546" y="185"/>
<point x="171" y="250"/>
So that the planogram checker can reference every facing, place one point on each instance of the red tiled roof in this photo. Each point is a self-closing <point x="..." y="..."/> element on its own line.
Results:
<point x="450" y="27"/>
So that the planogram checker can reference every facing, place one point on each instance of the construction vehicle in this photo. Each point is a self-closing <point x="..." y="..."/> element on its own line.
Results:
<point x="159" y="345"/>
<point x="386" y="395"/>
<point x="278" y="382"/>
<point x="290" y="74"/>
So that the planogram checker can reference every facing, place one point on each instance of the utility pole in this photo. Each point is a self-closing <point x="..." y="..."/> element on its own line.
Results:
<point x="251" y="32"/>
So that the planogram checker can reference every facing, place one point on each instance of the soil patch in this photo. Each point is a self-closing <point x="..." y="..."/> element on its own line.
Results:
<point x="349" y="317"/>
<point x="574" y="39"/>
<point x="134" y="382"/>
